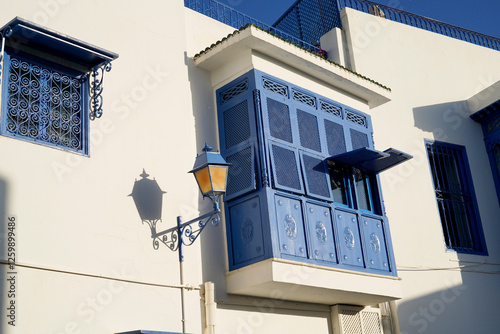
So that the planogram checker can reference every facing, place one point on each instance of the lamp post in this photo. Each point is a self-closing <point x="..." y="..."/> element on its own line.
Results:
<point x="210" y="172"/>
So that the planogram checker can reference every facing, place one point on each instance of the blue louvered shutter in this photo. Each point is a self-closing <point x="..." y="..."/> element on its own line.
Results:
<point x="238" y="135"/>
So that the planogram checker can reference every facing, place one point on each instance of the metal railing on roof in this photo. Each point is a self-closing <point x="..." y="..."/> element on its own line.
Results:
<point x="299" y="20"/>
<point x="310" y="19"/>
<point x="236" y="19"/>
<point x="423" y="23"/>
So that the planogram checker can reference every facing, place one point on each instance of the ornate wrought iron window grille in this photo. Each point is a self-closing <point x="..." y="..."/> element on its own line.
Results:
<point x="45" y="105"/>
<point x="52" y="85"/>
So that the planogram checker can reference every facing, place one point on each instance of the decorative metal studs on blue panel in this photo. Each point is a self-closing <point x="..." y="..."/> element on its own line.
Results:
<point x="290" y="227"/>
<point x="349" y="241"/>
<point x="319" y="226"/>
<point x="374" y="239"/>
<point x="246" y="231"/>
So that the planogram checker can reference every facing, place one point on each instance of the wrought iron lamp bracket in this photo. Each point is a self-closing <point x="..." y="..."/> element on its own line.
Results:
<point x="96" y="88"/>
<point x="185" y="233"/>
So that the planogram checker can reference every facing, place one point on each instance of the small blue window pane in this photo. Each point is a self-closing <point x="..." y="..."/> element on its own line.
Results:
<point x="363" y="190"/>
<point x="338" y="183"/>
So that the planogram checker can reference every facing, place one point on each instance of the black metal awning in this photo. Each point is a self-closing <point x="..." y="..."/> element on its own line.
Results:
<point x="371" y="160"/>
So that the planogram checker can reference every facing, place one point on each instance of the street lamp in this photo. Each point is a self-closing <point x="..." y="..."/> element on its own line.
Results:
<point x="210" y="172"/>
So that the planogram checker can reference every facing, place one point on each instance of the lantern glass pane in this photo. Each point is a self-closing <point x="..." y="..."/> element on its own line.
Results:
<point x="203" y="178"/>
<point x="219" y="174"/>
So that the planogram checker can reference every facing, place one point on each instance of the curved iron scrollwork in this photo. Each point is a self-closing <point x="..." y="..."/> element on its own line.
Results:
<point x="188" y="235"/>
<point x="184" y="233"/>
<point x="171" y="240"/>
<point x="96" y="88"/>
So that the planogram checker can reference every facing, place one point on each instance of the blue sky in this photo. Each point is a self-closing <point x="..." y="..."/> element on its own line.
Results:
<point x="480" y="16"/>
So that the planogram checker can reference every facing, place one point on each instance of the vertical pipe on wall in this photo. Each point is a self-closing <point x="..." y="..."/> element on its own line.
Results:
<point x="394" y="317"/>
<point x="181" y="273"/>
<point x="209" y="307"/>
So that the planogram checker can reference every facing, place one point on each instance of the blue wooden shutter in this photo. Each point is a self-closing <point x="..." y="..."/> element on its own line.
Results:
<point x="238" y="134"/>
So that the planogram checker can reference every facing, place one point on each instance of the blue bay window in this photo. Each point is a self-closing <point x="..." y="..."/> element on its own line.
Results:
<point x="304" y="181"/>
<point x="51" y="86"/>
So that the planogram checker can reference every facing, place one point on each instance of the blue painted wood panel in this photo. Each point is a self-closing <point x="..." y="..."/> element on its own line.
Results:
<point x="375" y="243"/>
<point x="290" y="223"/>
<point x="350" y="247"/>
<point x="286" y="168"/>
<point x="246" y="231"/>
<point x="320" y="233"/>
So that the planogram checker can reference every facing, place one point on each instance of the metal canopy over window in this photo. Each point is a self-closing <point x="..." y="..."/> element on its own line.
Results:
<point x="371" y="160"/>
<point x="31" y="38"/>
<point x="60" y="52"/>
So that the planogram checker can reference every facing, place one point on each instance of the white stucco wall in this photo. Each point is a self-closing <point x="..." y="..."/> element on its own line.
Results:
<point x="431" y="77"/>
<point x="76" y="222"/>
<point x="74" y="213"/>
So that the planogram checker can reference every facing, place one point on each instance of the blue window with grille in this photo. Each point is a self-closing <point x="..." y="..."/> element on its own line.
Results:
<point x="455" y="197"/>
<point x="489" y="117"/>
<point x="51" y="86"/>
<point x="44" y="105"/>
<point x="304" y="184"/>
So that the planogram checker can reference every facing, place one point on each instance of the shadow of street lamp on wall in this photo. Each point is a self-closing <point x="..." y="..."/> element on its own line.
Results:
<point x="210" y="171"/>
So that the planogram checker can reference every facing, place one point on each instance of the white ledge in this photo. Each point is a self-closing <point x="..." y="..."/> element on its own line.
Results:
<point x="252" y="38"/>
<point x="288" y="280"/>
